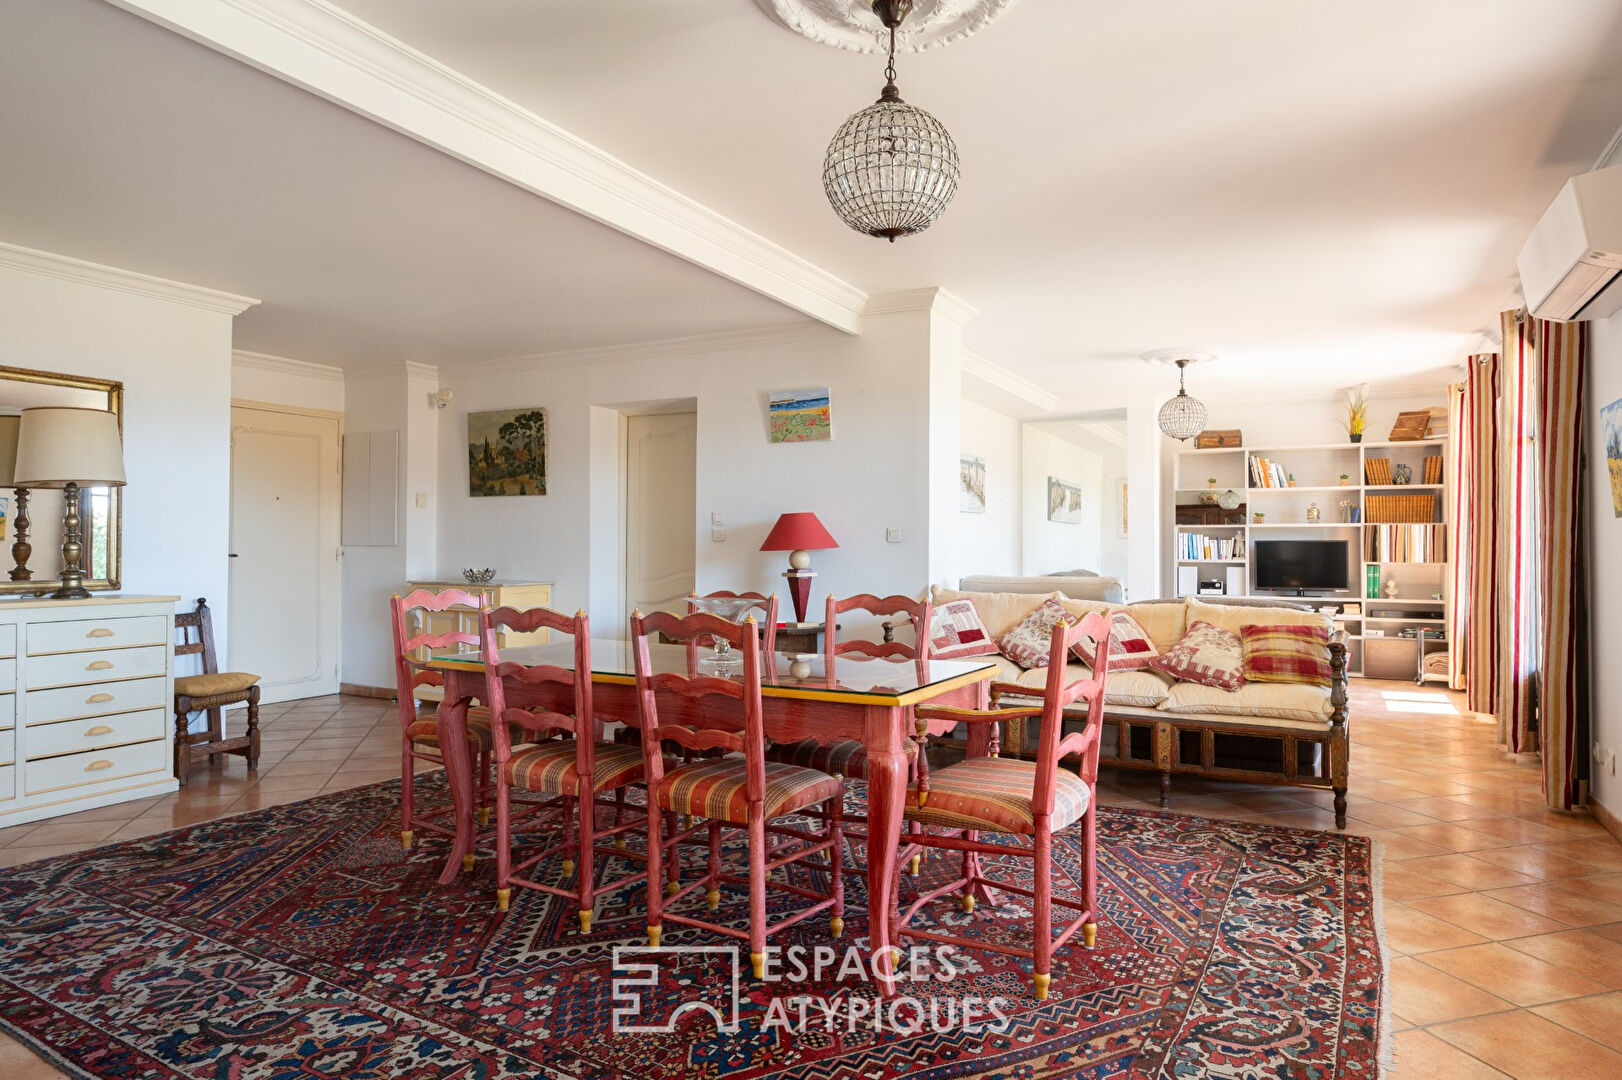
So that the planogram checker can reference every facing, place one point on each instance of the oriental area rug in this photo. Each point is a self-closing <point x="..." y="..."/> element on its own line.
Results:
<point x="301" y="942"/>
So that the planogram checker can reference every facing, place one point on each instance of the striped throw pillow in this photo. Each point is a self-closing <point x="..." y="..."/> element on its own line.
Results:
<point x="1287" y="653"/>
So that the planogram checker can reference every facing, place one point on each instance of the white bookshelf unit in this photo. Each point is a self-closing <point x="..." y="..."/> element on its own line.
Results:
<point x="1412" y="552"/>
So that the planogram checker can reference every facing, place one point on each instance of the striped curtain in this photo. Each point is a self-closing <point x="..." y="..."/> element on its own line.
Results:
<point x="1560" y="352"/>
<point x="1479" y="485"/>
<point x="1515" y="524"/>
<point x="1458" y="541"/>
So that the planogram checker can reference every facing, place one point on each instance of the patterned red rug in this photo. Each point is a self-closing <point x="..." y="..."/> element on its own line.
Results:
<point x="301" y="943"/>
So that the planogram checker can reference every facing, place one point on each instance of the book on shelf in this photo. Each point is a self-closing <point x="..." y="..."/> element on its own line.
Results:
<point x="1198" y="547"/>
<point x="1377" y="470"/>
<point x="1433" y="469"/>
<point x="1405" y="543"/>
<point x="1265" y="473"/>
<point x="1418" y="509"/>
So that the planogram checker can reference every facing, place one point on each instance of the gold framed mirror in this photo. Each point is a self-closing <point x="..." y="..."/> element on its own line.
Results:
<point x="31" y="520"/>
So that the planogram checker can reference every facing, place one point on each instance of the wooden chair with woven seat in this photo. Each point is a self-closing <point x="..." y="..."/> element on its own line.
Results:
<point x="210" y="690"/>
<point x="419" y="736"/>
<point x="555" y="768"/>
<point x="1029" y="799"/>
<point x="848" y="757"/>
<point x="703" y="712"/>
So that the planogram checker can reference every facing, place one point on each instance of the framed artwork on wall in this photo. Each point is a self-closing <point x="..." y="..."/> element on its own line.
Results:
<point x="971" y="480"/>
<point x="506" y="452"/>
<point x="800" y="415"/>
<point x="1610" y="420"/>
<point x="1064" y="501"/>
<point x="1120" y="507"/>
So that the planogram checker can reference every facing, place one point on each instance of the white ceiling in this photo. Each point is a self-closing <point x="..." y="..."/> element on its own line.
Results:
<point x="1325" y="193"/>
<point x="124" y="144"/>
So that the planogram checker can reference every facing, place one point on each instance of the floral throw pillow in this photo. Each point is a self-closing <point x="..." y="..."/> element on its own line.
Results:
<point x="1030" y="642"/>
<point x="1208" y="655"/>
<point x="1286" y="654"/>
<point x="1129" y="645"/>
<point x="956" y="631"/>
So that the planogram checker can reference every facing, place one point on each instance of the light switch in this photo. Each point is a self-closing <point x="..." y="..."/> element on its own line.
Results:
<point x="717" y="518"/>
<point x="892" y="536"/>
<point x="718" y="536"/>
<point x="422" y="500"/>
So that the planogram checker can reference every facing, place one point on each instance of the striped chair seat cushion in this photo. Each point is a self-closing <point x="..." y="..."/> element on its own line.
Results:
<point x="478" y="732"/>
<point x="552" y="767"/>
<point x="995" y="794"/>
<point x="716" y="789"/>
<point x="845" y="757"/>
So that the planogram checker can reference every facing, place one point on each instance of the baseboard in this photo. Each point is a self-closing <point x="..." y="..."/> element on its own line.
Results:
<point x="356" y="690"/>
<point x="1612" y="823"/>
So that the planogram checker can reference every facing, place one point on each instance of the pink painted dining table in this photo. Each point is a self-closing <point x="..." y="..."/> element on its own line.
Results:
<point x="866" y="699"/>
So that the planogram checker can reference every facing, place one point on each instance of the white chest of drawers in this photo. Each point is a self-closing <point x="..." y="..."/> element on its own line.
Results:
<point x="86" y="689"/>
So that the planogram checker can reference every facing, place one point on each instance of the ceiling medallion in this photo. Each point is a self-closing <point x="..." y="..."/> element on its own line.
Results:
<point x="891" y="169"/>
<point x="853" y="26"/>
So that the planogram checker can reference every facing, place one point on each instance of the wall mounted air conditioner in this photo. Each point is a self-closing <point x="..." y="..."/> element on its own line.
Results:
<point x="1575" y="253"/>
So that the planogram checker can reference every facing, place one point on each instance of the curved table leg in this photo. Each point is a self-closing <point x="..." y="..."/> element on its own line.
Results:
<point x="886" y="794"/>
<point x="450" y="720"/>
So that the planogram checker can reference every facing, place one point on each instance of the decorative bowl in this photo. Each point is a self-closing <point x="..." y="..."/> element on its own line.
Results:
<point x="479" y="577"/>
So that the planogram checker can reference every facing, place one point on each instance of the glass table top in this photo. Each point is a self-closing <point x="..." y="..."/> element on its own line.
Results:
<point x="782" y="675"/>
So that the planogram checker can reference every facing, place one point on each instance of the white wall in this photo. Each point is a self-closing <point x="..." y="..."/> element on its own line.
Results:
<point x="1051" y="546"/>
<point x="989" y="543"/>
<point x="1605" y="553"/>
<point x="276" y="380"/>
<point x="174" y="360"/>
<point x="876" y="472"/>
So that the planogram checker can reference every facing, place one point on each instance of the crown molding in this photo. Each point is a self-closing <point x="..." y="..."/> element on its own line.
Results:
<point x="934" y="299"/>
<point x="318" y="47"/>
<point x="48" y="264"/>
<point x="1000" y="377"/>
<point x="383" y="369"/>
<point x="663" y="349"/>
<point x="282" y="365"/>
<point x="417" y="370"/>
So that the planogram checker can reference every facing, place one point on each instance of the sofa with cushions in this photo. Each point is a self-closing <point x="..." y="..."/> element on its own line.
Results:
<point x="1257" y="693"/>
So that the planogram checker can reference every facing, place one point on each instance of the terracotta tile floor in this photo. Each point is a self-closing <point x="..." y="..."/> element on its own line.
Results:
<point x="1504" y="920"/>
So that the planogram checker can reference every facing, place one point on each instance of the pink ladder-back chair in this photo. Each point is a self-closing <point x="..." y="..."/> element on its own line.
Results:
<point x="767" y="607"/>
<point x="420" y="736"/>
<point x="1028" y="799"/>
<point x="698" y="712"/>
<point x="572" y="771"/>
<point x="848" y="757"/>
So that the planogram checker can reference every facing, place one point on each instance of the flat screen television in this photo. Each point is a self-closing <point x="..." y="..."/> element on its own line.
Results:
<point x="1302" y="566"/>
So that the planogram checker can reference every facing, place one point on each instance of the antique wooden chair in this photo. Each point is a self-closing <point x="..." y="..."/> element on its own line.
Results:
<point x="767" y="607"/>
<point x="419" y="736"/>
<point x="1032" y="800"/>
<point x="212" y="690"/>
<point x="702" y="712"/>
<point x="554" y="768"/>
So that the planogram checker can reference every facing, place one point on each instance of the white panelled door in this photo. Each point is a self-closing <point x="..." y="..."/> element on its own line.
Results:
<point x="284" y="551"/>
<point x="660" y="489"/>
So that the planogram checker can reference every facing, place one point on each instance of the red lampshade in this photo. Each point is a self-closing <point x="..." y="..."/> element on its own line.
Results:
<point x="798" y="532"/>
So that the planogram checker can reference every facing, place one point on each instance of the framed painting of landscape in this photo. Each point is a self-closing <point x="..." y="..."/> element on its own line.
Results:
<point x="1064" y="501"/>
<point x="1610" y="420"/>
<point x="506" y="452"/>
<point x="800" y="415"/>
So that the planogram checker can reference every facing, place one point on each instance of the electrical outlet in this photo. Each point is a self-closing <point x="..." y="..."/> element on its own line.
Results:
<point x="892" y="536"/>
<point x="717" y="518"/>
<point x="718" y="536"/>
<point x="422" y="500"/>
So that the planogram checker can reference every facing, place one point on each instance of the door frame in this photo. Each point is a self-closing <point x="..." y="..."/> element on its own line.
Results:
<point x="336" y="509"/>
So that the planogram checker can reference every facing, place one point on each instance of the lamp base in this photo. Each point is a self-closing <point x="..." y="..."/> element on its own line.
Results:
<point x="69" y="591"/>
<point x="799" y="590"/>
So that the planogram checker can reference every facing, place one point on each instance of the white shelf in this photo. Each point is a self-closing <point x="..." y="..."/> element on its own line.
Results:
<point x="1201" y="528"/>
<point x="1286" y="490"/>
<point x="1437" y="441"/>
<point x="1382" y="488"/>
<point x="1268" y="450"/>
<point x="1438" y="622"/>
<point x="1210" y="562"/>
<point x="1305" y="525"/>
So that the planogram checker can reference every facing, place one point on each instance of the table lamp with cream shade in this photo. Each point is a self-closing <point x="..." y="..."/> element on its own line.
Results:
<point x="21" y="549"/>
<point x="69" y="448"/>
<point x="799" y="534"/>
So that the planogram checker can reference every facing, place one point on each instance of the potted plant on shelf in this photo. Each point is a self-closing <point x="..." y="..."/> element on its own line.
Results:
<point x="1344" y="477"/>
<point x="1357" y="412"/>
<point x="1208" y="497"/>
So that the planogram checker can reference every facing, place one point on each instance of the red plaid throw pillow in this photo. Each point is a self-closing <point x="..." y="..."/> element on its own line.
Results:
<point x="1129" y="645"/>
<point x="1286" y="654"/>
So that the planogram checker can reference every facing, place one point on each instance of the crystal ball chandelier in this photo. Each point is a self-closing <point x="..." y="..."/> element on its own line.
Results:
<point x="891" y="169"/>
<point x="1182" y="417"/>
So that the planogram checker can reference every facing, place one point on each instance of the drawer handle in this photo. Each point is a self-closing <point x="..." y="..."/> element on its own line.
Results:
<point x="100" y="631"/>
<point x="97" y="699"/>
<point x="99" y="665"/>
<point x="100" y="729"/>
<point x="96" y="766"/>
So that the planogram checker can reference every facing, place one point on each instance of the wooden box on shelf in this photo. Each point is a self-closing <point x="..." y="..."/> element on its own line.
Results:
<point x="1411" y="426"/>
<point x="1213" y="439"/>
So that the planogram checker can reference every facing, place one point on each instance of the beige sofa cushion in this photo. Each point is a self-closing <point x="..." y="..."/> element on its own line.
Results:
<point x="1000" y="612"/>
<point x="1283" y="701"/>
<point x="1164" y="623"/>
<point x="1080" y="588"/>
<point x="1234" y="618"/>
<point x="1144" y="689"/>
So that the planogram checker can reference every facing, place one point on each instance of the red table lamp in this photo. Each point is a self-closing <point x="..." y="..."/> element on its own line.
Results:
<point x="798" y="534"/>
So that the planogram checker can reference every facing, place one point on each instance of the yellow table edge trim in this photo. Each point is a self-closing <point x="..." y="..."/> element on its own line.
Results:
<point x="911" y="697"/>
